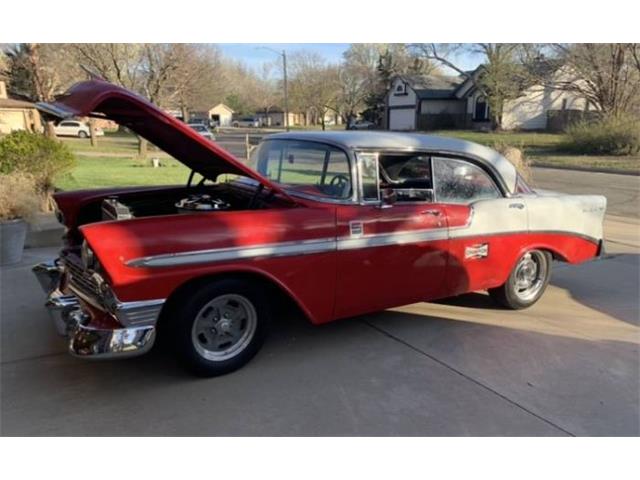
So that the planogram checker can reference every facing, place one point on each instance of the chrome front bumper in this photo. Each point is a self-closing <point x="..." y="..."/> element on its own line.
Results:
<point x="72" y="321"/>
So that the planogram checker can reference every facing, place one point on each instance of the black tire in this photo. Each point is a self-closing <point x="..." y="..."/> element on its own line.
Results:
<point x="509" y="296"/>
<point x="82" y="134"/>
<point x="185" y="312"/>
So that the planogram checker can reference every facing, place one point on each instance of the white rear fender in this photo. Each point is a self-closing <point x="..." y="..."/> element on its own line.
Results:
<point x="576" y="214"/>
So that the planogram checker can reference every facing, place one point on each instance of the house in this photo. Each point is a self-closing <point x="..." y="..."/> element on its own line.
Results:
<point x="454" y="102"/>
<point x="17" y="114"/>
<point x="436" y="102"/>
<point x="274" y="117"/>
<point x="219" y="115"/>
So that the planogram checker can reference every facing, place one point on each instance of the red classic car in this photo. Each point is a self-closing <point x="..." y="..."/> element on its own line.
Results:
<point x="341" y="223"/>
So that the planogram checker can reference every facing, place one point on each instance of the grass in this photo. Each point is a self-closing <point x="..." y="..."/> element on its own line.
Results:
<point x="628" y="164"/>
<point x="96" y="172"/>
<point x="528" y="140"/>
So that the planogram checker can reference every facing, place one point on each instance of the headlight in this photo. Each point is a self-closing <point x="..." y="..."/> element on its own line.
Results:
<point x="88" y="257"/>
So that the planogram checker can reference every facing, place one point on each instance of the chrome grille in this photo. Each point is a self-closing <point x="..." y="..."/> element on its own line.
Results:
<point x="81" y="279"/>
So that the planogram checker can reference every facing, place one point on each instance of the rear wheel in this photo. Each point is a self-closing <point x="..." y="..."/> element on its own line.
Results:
<point x="220" y="327"/>
<point x="82" y="134"/>
<point x="527" y="281"/>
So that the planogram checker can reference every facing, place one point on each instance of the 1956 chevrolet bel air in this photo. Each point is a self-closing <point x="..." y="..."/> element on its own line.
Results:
<point x="341" y="223"/>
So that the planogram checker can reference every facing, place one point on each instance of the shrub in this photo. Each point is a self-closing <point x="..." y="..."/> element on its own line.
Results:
<point x="516" y="156"/>
<point x="607" y="136"/>
<point x="18" y="196"/>
<point x="34" y="154"/>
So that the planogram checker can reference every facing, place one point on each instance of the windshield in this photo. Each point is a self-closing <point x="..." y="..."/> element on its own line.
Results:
<point x="305" y="167"/>
<point x="199" y="128"/>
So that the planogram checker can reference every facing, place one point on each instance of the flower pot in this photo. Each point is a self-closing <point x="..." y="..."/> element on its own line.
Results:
<point x="12" y="236"/>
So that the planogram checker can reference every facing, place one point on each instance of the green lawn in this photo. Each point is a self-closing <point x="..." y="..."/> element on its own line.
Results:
<point x="528" y="140"/>
<point x="96" y="172"/>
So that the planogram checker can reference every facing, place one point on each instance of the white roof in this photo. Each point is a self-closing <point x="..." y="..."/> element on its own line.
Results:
<point x="357" y="140"/>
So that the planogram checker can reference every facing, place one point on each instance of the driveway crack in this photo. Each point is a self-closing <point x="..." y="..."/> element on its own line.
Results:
<point x="467" y="377"/>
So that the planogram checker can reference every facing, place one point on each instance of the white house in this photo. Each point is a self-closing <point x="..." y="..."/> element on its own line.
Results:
<point x="219" y="115"/>
<point x="454" y="102"/>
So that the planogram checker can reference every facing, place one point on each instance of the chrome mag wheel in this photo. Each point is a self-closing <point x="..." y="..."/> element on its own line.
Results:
<point x="530" y="275"/>
<point x="224" y="327"/>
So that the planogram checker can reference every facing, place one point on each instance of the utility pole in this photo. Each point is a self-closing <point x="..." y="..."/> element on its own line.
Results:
<point x="286" y="97"/>
<point x="283" y="54"/>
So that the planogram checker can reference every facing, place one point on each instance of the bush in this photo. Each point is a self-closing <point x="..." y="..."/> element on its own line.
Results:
<point x="607" y="136"/>
<point x="36" y="155"/>
<point x="18" y="196"/>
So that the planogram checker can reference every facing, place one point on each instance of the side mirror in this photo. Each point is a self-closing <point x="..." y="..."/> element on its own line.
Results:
<point x="388" y="197"/>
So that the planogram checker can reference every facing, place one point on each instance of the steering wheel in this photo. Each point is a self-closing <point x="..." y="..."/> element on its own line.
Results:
<point x="340" y="181"/>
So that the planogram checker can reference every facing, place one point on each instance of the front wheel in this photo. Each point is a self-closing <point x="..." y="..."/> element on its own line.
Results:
<point x="527" y="282"/>
<point x="220" y="327"/>
<point x="82" y="134"/>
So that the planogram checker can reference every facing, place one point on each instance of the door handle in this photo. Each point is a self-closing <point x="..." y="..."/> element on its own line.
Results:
<point x="519" y="206"/>
<point x="435" y="213"/>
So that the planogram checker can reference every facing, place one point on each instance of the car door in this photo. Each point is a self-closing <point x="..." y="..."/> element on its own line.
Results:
<point x="388" y="255"/>
<point x="486" y="227"/>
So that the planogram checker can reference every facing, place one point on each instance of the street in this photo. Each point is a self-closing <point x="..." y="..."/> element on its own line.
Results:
<point x="567" y="366"/>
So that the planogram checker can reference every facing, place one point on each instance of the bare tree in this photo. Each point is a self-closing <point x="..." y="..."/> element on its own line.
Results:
<point x="314" y="85"/>
<point x="39" y="72"/>
<point x="502" y="76"/>
<point x="164" y="73"/>
<point x="606" y="74"/>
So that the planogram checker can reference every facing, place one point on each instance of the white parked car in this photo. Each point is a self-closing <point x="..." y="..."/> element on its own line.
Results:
<point x="251" y="122"/>
<point x="74" y="128"/>
<point x="202" y="130"/>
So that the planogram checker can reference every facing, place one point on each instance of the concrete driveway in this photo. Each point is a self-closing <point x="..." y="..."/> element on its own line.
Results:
<point x="567" y="366"/>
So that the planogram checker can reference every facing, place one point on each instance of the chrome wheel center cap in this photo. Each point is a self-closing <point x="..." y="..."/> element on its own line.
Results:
<point x="225" y="325"/>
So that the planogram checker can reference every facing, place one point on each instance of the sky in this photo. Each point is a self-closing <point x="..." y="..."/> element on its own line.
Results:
<point x="254" y="54"/>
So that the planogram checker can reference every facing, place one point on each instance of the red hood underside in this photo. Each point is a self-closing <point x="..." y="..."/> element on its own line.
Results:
<point x="102" y="99"/>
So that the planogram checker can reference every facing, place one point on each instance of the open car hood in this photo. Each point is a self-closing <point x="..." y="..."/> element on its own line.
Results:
<point x="101" y="99"/>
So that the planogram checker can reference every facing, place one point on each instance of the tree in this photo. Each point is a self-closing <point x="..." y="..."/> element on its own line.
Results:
<point x="606" y="74"/>
<point x="165" y="73"/>
<point x="314" y="85"/>
<point x="266" y="93"/>
<point x="502" y="76"/>
<point x="39" y="72"/>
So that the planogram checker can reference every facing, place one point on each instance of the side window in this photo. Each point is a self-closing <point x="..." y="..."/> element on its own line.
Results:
<point x="459" y="181"/>
<point x="307" y="167"/>
<point x="409" y="175"/>
<point x="369" y="176"/>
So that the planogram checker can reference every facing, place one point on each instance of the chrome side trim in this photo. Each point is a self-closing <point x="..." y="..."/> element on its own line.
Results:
<point x="351" y="242"/>
<point x="234" y="253"/>
<point x="395" y="238"/>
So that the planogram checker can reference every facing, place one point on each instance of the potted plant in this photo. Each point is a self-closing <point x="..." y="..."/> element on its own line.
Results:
<point x="29" y="162"/>
<point x="19" y="201"/>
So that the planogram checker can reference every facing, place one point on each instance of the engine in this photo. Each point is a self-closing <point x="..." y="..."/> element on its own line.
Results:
<point x="201" y="203"/>
<point x="114" y="208"/>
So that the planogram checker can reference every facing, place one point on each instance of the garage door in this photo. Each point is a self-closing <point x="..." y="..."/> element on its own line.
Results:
<point x="402" y="119"/>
